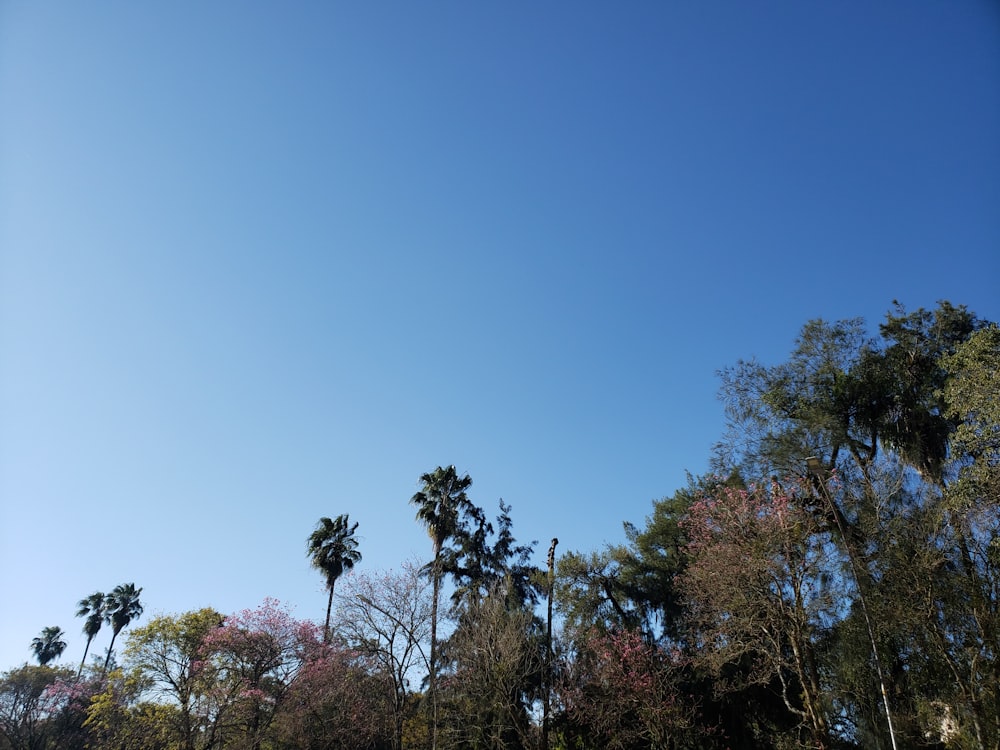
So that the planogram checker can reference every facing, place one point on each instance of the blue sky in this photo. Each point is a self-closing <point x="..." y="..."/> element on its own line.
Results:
<point x="261" y="264"/>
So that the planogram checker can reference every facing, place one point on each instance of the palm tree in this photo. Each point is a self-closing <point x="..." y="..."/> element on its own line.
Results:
<point x="92" y="607"/>
<point x="440" y="503"/>
<point x="121" y="606"/>
<point x="49" y="645"/>
<point x="333" y="550"/>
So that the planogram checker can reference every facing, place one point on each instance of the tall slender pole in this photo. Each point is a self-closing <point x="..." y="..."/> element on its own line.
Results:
<point x="816" y="468"/>
<point x="548" y="647"/>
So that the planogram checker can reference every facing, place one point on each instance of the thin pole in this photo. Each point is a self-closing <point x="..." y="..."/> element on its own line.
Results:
<point x="548" y="647"/>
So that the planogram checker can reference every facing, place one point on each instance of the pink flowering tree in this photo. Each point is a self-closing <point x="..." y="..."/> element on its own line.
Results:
<point x="338" y="700"/>
<point x="42" y="707"/>
<point x="759" y="594"/>
<point x="256" y="655"/>
<point x="621" y="691"/>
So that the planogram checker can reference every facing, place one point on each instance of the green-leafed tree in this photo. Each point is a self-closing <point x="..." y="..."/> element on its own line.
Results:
<point x="41" y="708"/>
<point x="874" y="413"/>
<point x="847" y="397"/>
<point x="633" y="584"/>
<point x="914" y="421"/>
<point x="332" y="550"/>
<point x="654" y="555"/>
<point x="971" y="401"/>
<point x="589" y="593"/>
<point x="484" y="555"/>
<point x="91" y="608"/>
<point x="49" y="645"/>
<point x="121" y="607"/>
<point x="959" y="622"/>
<point x="165" y="658"/>
<point x="495" y="659"/>
<point x="494" y="654"/>
<point x="119" y="719"/>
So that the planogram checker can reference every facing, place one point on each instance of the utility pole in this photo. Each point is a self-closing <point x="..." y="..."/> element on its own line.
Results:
<point x="548" y="646"/>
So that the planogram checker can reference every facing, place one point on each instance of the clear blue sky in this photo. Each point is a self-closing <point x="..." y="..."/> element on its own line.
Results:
<point x="262" y="263"/>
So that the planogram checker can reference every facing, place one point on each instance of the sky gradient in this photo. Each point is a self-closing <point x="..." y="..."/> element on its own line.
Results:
<point x="260" y="265"/>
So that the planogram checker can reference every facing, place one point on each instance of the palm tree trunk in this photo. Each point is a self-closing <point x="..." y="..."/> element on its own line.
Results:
<point x="329" y="606"/>
<point x="432" y="676"/>
<point x="107" y="659"/>
<point x="84" y="659"/>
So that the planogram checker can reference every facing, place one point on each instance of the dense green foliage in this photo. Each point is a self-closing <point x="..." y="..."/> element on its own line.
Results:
<point x="834" y="584"/>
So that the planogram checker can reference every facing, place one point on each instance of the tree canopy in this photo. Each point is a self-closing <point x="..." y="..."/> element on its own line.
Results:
<point x="833" y="584"/>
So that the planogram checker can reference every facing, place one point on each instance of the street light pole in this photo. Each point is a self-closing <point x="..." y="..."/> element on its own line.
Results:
<point x="819" y="472"/>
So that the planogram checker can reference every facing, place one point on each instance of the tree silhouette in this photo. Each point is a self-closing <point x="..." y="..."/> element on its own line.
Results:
<point x="91" y="607"/>
<point x="333" y="550"/>
<point x="49" y="645"/>
<point x="121" y="606"/>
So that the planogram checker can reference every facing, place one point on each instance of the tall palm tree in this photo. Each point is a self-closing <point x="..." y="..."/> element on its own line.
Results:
<point x="49" y="645"/>
<point x="440" y="504"/>
<point x="92" y="607"/>
<point x="121" y="606"/>
<point x="333" y="551"/>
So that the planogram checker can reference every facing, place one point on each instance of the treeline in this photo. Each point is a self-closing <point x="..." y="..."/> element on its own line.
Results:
<point x="833" y="584"/>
